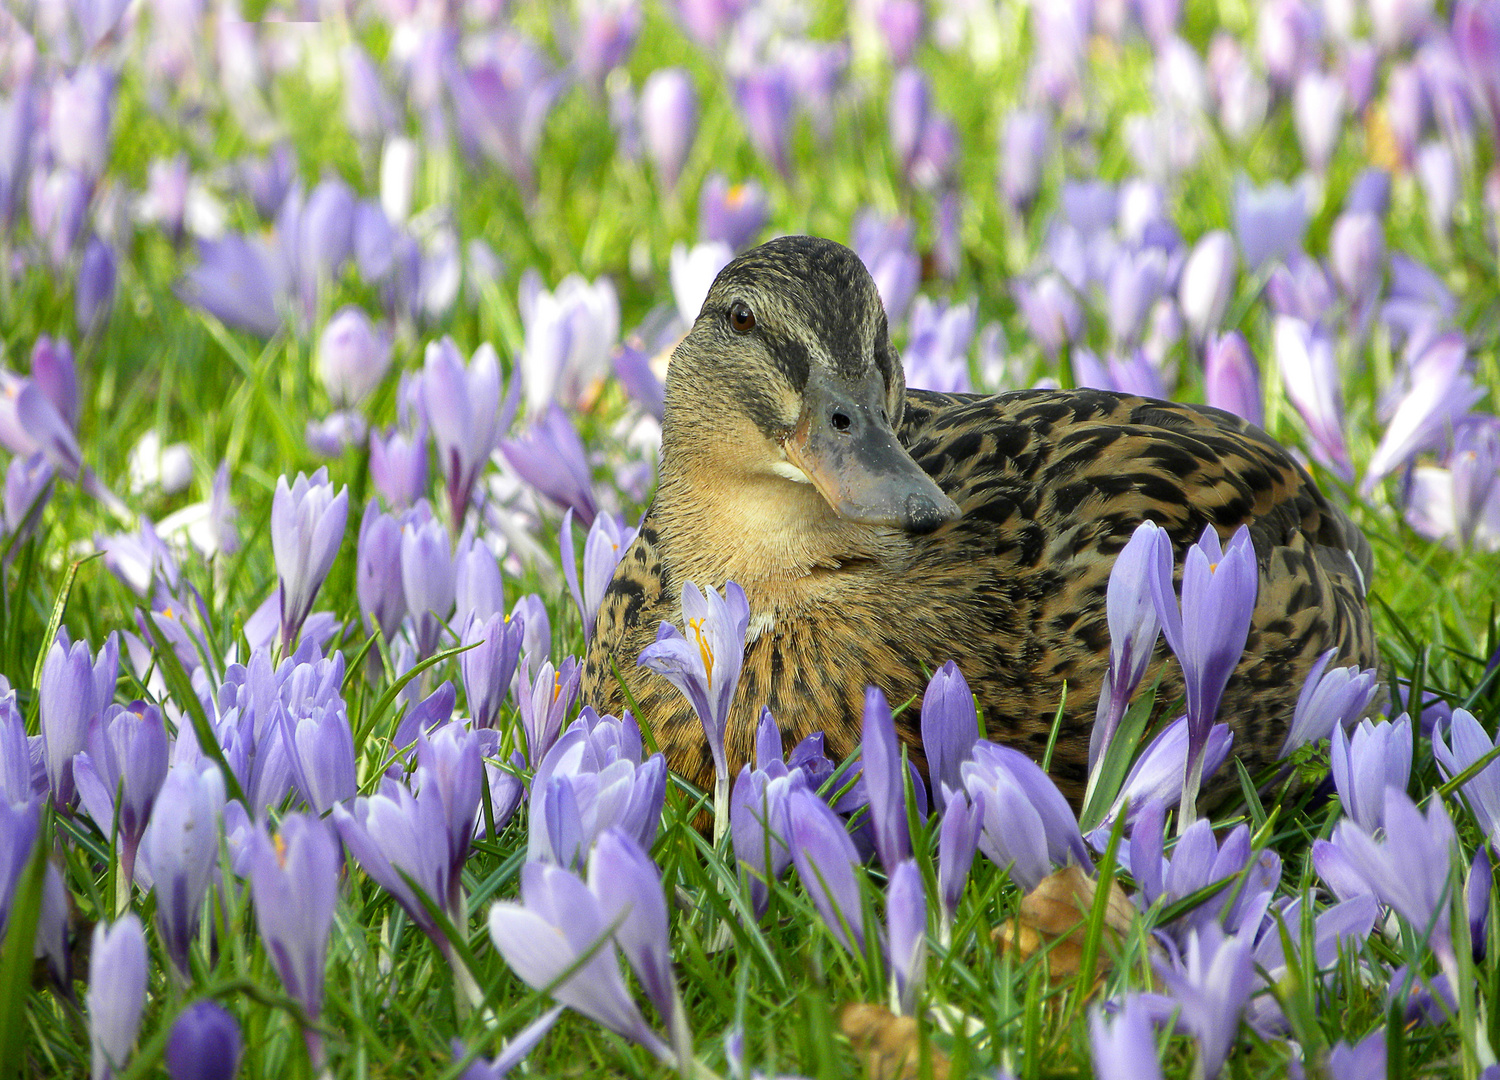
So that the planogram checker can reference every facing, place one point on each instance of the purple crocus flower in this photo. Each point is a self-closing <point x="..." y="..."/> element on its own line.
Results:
<point x="1158" y="773"/>
<point x="936" y="355"/>
<point x="1023" y="161"/>
<point x="1133" y="630"/>
<point x="400" y="840"/>
<point x="958" y="839"/>
<point x="1440" y="397"/>
<point x="76" y="686"/>
<point x="117" y="992"/>
<point x="478" y="588"/>
<point x="1329" y="699"/>
<point x="20" y="821"/>
<point x="488" y="668"/>
<point x="706" y="668"/>
<point x="1051" y="310"/>
<point x="204" y="1044"/>
<point x="607" y="542"/>
<point x="887" y="246"/>
<point x="512" y="1053"/>
<point x="17" y="770"/>
<point x="1304" y="353"/>
<point x="733" y="214"/>
<point x="1136" y="279"/>
<point x="589" y="781"/>
<point x="1409" y="870"/>
<point x="1458" y="745"/>
<point x="884" y="777"/>
<point x="550" y="457"/>
<point x="239" y="281"/>
<point x="1342" y="928"/>
<point x="294" y="884"/>
<point x="398" y="465"/>
<point x="464" y="412"/>
<point x="628" y="885"/>
<point x="94" y="288"/>
<point x="319" y="745"/>
<point x="1208" y="633"/>
<point x="427" y="579"/>
<point x="126" y="753"/>
<point x="950" y="728"/>
<point x="80" y="113"/>
<point x="826" y="857"/>
<point x="1269" y="222"/>
<point x="17" y="122"/>
<point x="759" y="825"/>
<point x="906" y="933"/>
<point x="1476" y="38"/>
<point x="1318" y="106"/>
<point x="377" y="571"/>
<point x="1124" y="1049"/>
<point x="352" y="357"/>
<point x="1360" y="1060"/>
<point x="1210" y="989"/>
<point x="1197" y="862"/>
<point x="451" y="759"/>
<point x="669" y="121"/>
<point x="1207" y="283"/>
<point x="1356" y="249"/>
<point x="545" y="939"/>
<point x="1028" y="825"/>
<point x="180" y="851"/>
<point x="307" y="527"/>
<point x="545" y="702"/>
<point x="766" y="98"/>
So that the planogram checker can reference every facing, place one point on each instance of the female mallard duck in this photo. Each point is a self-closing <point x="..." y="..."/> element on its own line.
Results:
<point x="879" y="532"/>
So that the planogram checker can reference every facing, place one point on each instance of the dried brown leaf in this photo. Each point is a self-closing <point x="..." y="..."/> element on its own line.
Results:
<point x="1054" y="918"/>
<point x="888" y="1044"/>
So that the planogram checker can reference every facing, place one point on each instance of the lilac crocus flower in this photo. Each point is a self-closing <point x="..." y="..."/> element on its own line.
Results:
<point x="427" y="579"/>
<point x="1360" y="1060"/>
<point x="1208" y="633"/>
<point x="478" y="587"/>
<point x="1356" y="248"/>
<point x="958" y="839"/>
<point x="826" y="858"/>
<point x="450" y="758"/>
<point x="1329" y="699"/>
<point x="398" y="465"/>
<point x="126" y="752"/>
<point x="628" y="885"/>
<point x="1133" y="630"/>
<point x="239" y="281"/>
<point x="377" y="571"/>
<point x="605" y="546"/>
<point x="1341" y="928"/>
<point x="1025" y="141"/>
<point x="884" y="780"/>
<point x="294" y="884"/>
<point x="180" y="851"/>
<point x="352" y="357"/>
<point x="766" y="98"/>
<point x="464" y="412"/>
<point x="1158" y="773"/>
<point x="906" y="933"/>
<point x="1376" y="758"/>
<point x="1136" y="279"/>
<point x="545" y="702"/>
<point x="307" y="527"/>
<point x="887" y="246"/>
<point x="590" y="780"/>
<point x="1124" y="1049"/>
<point x="1409" y="870"/>
<point x="94" y="288"/>
<point x="550" y="457"/>
<point x="733" y="214"/>
<point x="706" y="668"/>
<point x="1269" y="222"/>
<point x="1304" y="353"/>
<point x="950" y="728"/>
<point x="488" y="668"/>
<point x="669" y="120"/>
<point x="20" y="822"/>
<point x="692" y="273"/>
<point x="319" y="745"/>
<point x="205" y="1043"/>
<point x="1051" y="310"/>
<point x="1458" y="745"/>
<point x="1210" y="989"/>
<point x="511" y="1054"/>
<point x="75" y="688"/>
<point x="1197" y="862"/>
<point x="759" y="825"/>
<point x="1028" y="825"/>
<point x="545" y="939"/>
<point x="400" y="840"/>
<point x="117" y="992"/>
<point x="1440" y="397"/>
<point x="1207" y="283"/>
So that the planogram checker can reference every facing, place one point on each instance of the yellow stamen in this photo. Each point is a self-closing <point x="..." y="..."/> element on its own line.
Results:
<point x="704" y="649"/>
<point x="280" y="845"/>
<point x="556" y="685"/>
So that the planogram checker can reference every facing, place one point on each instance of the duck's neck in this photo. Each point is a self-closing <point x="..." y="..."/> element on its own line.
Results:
<point x="778" y="539"/>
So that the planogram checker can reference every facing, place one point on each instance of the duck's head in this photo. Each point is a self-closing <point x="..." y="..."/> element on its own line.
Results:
<point x="787" y="385"/>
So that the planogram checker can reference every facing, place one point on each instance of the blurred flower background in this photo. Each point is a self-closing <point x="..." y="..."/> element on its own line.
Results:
<point x="338" y="331"/>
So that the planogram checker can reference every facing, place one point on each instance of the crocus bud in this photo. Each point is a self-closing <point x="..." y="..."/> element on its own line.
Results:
<point x="909" y="106"/>
<point x="669" y="121"/>
<point x="766" y="101"/>
<point x="1231" y="378"/>
<point x="353" y="356"/>
<point x="204" y="1044"/>
<point x="1357" y="252"/>
<point x="1318" y="114"/>
<point x="117" y="992"/>
<point x="1023" y="162"/>
<point x="1207" y="283"/>
<point x="80" y="118"/>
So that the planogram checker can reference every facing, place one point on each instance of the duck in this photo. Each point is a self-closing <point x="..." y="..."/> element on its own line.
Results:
<point x="879" y="532"/>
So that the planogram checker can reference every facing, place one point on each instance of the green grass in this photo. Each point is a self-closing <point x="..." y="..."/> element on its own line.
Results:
<point x="390" y="1005"/>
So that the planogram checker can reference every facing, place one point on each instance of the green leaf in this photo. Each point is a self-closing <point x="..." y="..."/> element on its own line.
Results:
<point x="16" y="961"/>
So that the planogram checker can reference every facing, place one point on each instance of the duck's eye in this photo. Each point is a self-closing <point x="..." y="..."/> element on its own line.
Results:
<point x="741" y="318"/>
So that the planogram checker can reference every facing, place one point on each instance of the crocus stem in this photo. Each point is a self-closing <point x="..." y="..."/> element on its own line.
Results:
<point x="1187" y="812"/>
<point x="122" y="884"/>
<point x="721" y="808"/>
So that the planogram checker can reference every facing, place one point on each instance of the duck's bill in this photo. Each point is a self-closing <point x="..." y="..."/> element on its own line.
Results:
<point x="864" y="473"/>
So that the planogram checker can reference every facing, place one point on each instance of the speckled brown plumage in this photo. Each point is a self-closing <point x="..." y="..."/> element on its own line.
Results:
<point x="1050" y="484"/>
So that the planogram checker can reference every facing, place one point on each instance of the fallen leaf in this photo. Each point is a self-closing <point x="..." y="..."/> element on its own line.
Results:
<point x="887" y="1044"/>
<point x="1054" y="917"/>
